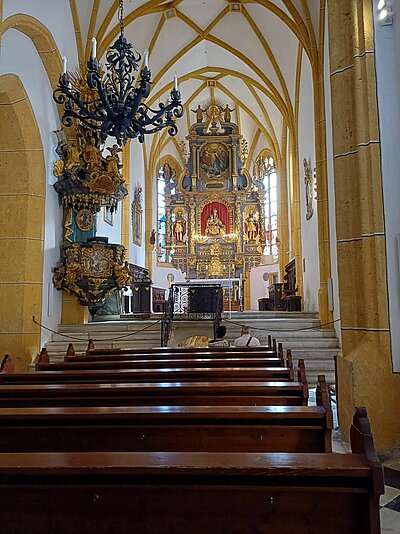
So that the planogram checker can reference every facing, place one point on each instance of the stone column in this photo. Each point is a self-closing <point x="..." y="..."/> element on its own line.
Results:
<point x="126" y="205"/>
<point x="365" y="375"/>
<point x="283" y="224"/>
<point x="325" y="315"/>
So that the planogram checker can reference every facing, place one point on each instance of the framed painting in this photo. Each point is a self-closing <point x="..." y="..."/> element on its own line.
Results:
<point x="108" y="215"/>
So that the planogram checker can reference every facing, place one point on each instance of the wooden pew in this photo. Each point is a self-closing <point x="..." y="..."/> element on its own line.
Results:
<point x="157" y="394"/>
<point x="159" y="350"/>
<point x="159" y="362"/>
<point x="170" y="354"/>
<point x="165" y="492"/>
<point x="169" y="428"/>
<point x="158" y="374"/>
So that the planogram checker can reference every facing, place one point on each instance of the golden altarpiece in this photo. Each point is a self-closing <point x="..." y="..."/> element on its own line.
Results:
<point x="214" y="211"/>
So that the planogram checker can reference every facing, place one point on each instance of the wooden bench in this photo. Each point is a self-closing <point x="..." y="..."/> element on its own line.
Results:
<point x="159" y="362"/>
<point x="156" y="394"/>
<point x="168" y="355"/>
<point x="168" y="492"/>
<point x="158" y="374"/>
<point x="169" y="428"/>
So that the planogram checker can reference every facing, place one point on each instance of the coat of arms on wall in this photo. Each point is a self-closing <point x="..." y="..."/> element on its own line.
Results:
<point x="308" y="183"/>
<point x="137" y="212"/>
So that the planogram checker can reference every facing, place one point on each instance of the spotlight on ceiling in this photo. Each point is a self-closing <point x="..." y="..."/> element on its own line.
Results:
<point x="385" y="13"/>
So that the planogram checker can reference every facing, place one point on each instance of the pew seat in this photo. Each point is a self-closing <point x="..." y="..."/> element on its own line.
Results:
<point x="166" y="428"/>
<point x="156" y="393"/>
<point x="156" y="374"/>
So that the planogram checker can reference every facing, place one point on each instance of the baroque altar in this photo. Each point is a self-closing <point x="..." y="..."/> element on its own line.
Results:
<point x="214" y="210"/>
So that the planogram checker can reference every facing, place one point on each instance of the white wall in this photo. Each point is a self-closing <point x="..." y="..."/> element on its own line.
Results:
<point x="258" y="286"/>
<point x="56" y="16"/>
<point x="387" y="45"/>
<point x="19" y="56"/>
<point x="309" y="229"/>
<point x="331" y="185"/>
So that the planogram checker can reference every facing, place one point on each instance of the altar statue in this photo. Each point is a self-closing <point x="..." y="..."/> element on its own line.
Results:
<point x="113" y="162"/>
<point x="92" y="156"/>
<point x="179" y="228"/>
<point x="251" y="227"/>
<point x="214" y="225"/>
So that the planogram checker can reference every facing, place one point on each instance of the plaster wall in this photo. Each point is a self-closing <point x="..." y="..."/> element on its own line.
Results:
<point x="258" y="286"/>
<point x="331" y="186"/>
<point x="387" y="43"/>
<point x="19" y="56"/>
<point x="309" y="229"/>
<point x="56" y="16"/>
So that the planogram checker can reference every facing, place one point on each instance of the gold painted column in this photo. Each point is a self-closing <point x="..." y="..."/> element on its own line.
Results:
<point x="126" y="204"/>
<point x="22" y="204"/>
<point x="295" y="214"/>
<point x="365" y="375"/>
<point x="324" y="254"/>
<point x="283" y="220"/>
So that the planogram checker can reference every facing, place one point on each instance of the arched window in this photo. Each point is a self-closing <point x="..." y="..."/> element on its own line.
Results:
<point x="264" y="171"/>
<point x="165" y="188"/>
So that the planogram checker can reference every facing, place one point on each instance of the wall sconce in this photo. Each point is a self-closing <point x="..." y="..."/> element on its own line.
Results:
<point x="385" y="12"/>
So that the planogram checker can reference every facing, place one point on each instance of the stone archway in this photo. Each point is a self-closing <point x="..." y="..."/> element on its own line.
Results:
<point x="22" y="203"/>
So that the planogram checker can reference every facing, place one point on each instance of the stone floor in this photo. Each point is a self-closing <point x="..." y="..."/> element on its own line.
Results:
<point x="390" y="501"/>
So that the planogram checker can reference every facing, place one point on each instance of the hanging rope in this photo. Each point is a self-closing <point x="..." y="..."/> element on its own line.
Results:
<point x="281" y="329"/>
<point x="94" y="339"/>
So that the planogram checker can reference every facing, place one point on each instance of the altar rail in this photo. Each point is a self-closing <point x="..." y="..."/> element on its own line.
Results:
<point x="191" y="302"/>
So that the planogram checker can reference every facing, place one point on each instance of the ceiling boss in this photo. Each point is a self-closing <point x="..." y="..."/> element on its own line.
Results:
<point x="116" y="107"/>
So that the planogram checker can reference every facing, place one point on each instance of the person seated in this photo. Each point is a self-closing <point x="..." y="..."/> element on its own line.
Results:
<point x="246" y="340"/>
<point x="219" y="340"/>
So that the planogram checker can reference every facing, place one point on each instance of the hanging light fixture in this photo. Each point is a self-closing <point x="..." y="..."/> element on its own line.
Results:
<point x="116" y="104"/>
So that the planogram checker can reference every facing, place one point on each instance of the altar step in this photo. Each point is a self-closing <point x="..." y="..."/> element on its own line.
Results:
<point x="298" y="331"/>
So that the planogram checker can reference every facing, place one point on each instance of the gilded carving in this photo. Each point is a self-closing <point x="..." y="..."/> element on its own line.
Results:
<point x="92" y="271"/>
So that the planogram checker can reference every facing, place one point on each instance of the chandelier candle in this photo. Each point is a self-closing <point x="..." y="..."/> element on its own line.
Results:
<point x="117" y="108"/>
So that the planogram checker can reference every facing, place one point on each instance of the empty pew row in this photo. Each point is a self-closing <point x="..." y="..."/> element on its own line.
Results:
<point x="157" y="374"/>
<point x="197" y="492"/>
<point x="159" y="362"/>
<point x="170" y="428"/>
<point x="215" y="393"/>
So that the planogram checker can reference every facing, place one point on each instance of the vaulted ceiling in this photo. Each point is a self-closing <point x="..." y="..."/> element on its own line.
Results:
<point x="243" y="53"/>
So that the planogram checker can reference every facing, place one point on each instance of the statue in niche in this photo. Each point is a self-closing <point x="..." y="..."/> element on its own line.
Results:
<point x="199" y="113"/>
<point x="214" y="225"/>
<point x="227" y="113"/>
<point x="92" y="156"/>
<point x="179" y="228"/>
<point x="251" y="226"/>
<point x="113" y="163"/>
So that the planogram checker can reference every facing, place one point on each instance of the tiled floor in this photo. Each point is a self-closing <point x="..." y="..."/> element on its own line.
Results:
<point x="390" y="501"/>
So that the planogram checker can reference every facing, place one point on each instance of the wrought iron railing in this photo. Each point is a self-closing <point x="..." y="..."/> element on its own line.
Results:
<point x="196" y="302"/>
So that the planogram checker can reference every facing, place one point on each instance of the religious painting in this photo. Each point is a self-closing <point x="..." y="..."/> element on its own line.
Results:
<point x="108" y="215"/>
<point x="214" y="161"/>
<point x="215" y="220"/>
<point x="308" y="183"/>
<point x="137" y="213"/>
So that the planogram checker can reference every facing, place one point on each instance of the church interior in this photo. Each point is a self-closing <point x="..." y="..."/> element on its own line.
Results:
<point x="168" y="167"/>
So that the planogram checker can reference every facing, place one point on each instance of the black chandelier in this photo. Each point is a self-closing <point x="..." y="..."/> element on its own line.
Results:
<point x="117" y="108"/>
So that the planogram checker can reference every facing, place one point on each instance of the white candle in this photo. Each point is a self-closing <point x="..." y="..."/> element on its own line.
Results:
<point x="146" y="58"/>
<point x="64" y="64"/>
<point x="175" y="82"/>
<point x="94" y="45"/>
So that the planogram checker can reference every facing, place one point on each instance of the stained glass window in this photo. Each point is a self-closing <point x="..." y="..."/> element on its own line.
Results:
<point x="165" y="186"/>
<point x="265" y="172"/>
